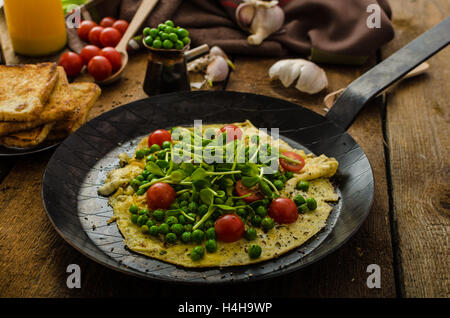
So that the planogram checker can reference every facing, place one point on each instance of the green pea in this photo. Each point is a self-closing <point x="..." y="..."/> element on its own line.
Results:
<point x="299" y="200"/>
<point x="182" y="33"/>
<point x="197" y="253"/>
<point x="303" y="185"/>
<point x="202" y="209"/>
<point x="193" y="216"/>
<point x="208" y="224"/>
<point x="134" y="218"/>
<point x="169" y="23"/>
<point x="278" y="184"/>
<point x="166" y="144"/>
<point x="148" y="40"/>
<point x="178" y="44"/>
<point x="171" y="220"/>
<point x="240" y="202"/>
<point x="167" y="44"/>
<point x="188" y="227"/>
<point x="144" y="228"/>
<point x="171" y="238"/>
<point x="192" y="206"/>
<point x="185" y="40"/>
<point x="211" y="246"/>
<point x="150" y="177"/>
<point x="303" y="208"/>
<point x="173" y="37"/>
<point x="144" y="211"/>
<point x="184" y="196"/>
<point x="289" y="174"/>
<point x="134" y="209"/>
<point x="261" y="211"/>
<point x="177" y="228"/>
<point x="153" y="32"/>
<point x="282" y="178"/>
<point x="256" y="220"/>
<point x="241" y="212"/>
<point x="198" y="236"/>
<point x="157" y="44"/>
<point x="153" y="230"/>
<point x="142" y="219"/>
<point x="210" y="234"/>
<point x="312" y="204"/>
<point x="276" y="175"/>
<point x="186" y="237"/>
<point x="254" y="251"/>
<point x="154" y="148"/>
<point x="146" y="31"/>
<point x="158" y="215"/>
<point x="139" y="154"/>
<point x="169" y="29"/>
<point x="164" y="228"/>
<point x="182" y="219"/>
<point x="161" y="26"/>
<point x="250" y="234"/>
<point x="267" y="223"/>
<point x="140" y="178"/>
<point x="162" y="164"/>
<point x="141" y="191"/>
<point x="150" y="158"/>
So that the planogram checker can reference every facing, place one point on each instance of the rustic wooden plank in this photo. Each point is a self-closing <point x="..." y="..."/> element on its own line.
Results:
<point x="418" y="138"/>
<point x="342" y="274"/>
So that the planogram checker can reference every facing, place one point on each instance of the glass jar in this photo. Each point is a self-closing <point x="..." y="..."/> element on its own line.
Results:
<point x="36" y="28"/>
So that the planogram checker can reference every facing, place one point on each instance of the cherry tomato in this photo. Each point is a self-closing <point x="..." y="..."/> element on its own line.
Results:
<point x="94" y="35"/>
<point x="242" y="190"/>
<point x="121" y="26"/>
<point x="110" y="37"/>
<point x="85" y="28"/>
<point x="233" y="132"/>
<point x="283" y="211"/>
<point x="100" y="68"/>
<point x="158" y="137"/>
<point x="114" y="57"/>
<point x="291" y="166"/>
<point x="107" y="22"/>
<point x="71" y="62"/>
<point x="88" y="52"/>
<point x="229" y="228"/>
<point x="160" y="196"/>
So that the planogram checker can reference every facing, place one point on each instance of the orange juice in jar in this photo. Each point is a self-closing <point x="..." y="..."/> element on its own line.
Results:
<point x="36" y="28"/>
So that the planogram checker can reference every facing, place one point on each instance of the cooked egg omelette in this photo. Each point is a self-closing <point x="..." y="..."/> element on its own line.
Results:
<point x="274" y="242"/>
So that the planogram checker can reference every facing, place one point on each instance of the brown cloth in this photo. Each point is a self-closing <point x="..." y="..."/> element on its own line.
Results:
<point x="325" y="28"/>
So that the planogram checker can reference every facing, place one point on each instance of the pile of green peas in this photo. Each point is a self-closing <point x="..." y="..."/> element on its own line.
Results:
<point x="304" y="205"/>
<point x="166" y="36"/>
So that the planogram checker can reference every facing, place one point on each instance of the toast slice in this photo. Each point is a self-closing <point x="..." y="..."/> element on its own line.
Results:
<point x="85" y="95"/>
<point x="60" y="105"/>
<point x="24" y="89"/>
<point x="27" y="138"/>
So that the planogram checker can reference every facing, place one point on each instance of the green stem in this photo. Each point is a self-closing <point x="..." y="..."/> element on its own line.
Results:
<point x="291" y="160"/>
<point x="271" y="185"/>
<point x="205" y="217"/>
<point x="148" y="184"/>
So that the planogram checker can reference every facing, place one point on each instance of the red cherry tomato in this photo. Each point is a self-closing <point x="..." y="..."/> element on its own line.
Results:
<point x="71" y="62"/>
<point x="107" y="22"/>
<point x="160" y="196"/>
<point x="233" y="132"/>
<point x="88" y="52"/>
<point x="292" y="166"/>
<point x="229" y="228"/>
<point x="242" y="190"/>
<point x="283" y="211"/>
<point x="100" y="68"/>
<point x="121" y="26"/>
<point x="158" y="137"/>
<point x="114" y="57"/>
<point x="94" y="35"/>
<point x="110" y="37"/>
<point x="85" y="28"/>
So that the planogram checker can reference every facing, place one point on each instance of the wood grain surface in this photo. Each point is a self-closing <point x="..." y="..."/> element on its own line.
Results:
<point x="417" y="129"/>
<point x="411" y="193"/>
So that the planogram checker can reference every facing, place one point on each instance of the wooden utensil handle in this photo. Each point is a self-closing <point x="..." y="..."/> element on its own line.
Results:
<point x="141" y="14"/>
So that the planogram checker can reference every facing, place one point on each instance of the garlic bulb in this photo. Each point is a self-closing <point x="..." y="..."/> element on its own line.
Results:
<point x="260" y="18"/>
<point x="217" y="70"/>
<point x="311" y="78"/>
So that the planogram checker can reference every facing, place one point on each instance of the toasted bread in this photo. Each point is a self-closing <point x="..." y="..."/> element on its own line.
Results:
<point x="27" y="138"/>
<point x="60" y="105"/>
<point x="85" y="94"/>
<point x="24" y="89"/>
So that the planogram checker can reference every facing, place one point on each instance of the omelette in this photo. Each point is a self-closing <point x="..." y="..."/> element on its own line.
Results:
<point x="243" y="224"/>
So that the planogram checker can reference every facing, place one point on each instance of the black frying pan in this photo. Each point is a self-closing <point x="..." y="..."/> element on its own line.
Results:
<point x="80" y="165"/>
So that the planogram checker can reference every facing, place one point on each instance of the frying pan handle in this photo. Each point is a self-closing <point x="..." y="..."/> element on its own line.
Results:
<point x="386" y="73"/>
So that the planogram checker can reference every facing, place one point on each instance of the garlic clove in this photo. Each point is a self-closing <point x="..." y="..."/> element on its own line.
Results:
<point x="286" y="71"/>
<point x="217" y="51"/>
<point x="312" y="80"/>
<point x="245" y="13"/>
<point x="217" y="70"/>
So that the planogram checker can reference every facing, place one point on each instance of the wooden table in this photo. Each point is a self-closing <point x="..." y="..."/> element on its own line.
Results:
<point x="405" y="135"/>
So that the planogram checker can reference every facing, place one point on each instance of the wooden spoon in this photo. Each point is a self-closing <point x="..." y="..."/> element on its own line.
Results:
<point x="332" y="97"/>
<point x="141" y="14"/>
